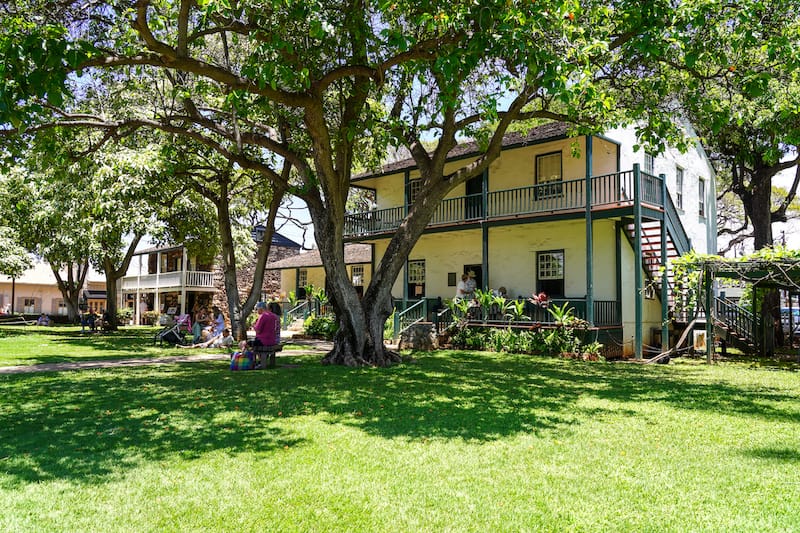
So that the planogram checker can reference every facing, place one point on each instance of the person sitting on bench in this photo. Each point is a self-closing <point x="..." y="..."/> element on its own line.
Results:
<point x="267" y="326"/>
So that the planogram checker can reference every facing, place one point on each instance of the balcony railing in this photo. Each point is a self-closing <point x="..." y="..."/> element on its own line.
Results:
<point x="610" y="190"/>
<point x="194" y="280"/>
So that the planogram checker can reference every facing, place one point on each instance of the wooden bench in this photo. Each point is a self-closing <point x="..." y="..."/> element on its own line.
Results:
<point x="262" y="352"/>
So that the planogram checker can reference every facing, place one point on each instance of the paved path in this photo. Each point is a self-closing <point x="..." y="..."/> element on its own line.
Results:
<point x="313" y="347"/>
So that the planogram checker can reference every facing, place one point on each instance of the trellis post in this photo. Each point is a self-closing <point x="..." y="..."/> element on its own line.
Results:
<point x="709" y="317"/>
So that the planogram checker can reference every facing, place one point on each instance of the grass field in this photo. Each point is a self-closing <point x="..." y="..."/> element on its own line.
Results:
<point x="27" y="345"/>
<point x="455" y="441"/>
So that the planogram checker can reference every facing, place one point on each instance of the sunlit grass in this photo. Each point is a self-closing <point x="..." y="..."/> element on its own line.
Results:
<point x="25" y="345"/>
<point x="457" y="441"/>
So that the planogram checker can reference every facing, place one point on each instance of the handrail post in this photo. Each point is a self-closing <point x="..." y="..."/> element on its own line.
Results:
<point x="665" y="266"/>
<point x="396" y="332"/>
<point x="589" y="236"/>
<point x="638" y="288"/>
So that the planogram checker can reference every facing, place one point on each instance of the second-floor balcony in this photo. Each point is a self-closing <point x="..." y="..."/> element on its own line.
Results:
<point x="169" y="280"/>
<point x="607" y="191"/>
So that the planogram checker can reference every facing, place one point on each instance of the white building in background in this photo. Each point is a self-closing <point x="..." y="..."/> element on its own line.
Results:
<point x="166" y="280"/>
<point x="36" y="292"/>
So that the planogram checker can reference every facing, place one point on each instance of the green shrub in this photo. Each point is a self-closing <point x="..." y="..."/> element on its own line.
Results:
<point x="388" y="327"/>
<point x="324" y="326"/>
<point x="124" y="315"/>
<point x="151" y="317"/>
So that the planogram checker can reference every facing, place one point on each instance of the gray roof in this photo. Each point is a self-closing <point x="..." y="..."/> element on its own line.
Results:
<point x="353" y="254"/>
<point x="552" y="130"/>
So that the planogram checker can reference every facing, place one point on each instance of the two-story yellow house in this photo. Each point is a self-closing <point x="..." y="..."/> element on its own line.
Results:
<point x="586" y="220"/>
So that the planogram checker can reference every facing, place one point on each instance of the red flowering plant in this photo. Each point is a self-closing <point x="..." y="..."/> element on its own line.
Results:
<point x="541" y="299"/>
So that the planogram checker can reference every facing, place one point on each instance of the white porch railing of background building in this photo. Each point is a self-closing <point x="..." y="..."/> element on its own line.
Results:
<point x="169" y="280"/>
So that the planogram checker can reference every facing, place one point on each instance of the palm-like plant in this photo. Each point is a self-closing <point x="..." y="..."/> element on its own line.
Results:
<point x="562" y="316"/>
<point x="514" y="310"/>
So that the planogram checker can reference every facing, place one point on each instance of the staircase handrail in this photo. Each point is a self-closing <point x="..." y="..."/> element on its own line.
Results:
<point x="738" y="319"/>
<point x="408" y="317"/>
<point x="683" y="244"/>
<point x="295" y="312"/>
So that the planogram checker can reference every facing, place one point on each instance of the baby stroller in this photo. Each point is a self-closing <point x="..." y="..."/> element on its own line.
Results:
<point x="175" y="333"/>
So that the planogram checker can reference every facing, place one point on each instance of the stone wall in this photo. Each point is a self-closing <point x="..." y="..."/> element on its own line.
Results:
<point x="244" y="275"/>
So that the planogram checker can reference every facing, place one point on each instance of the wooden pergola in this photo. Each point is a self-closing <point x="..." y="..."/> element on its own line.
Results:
<point x="763" y="274"/>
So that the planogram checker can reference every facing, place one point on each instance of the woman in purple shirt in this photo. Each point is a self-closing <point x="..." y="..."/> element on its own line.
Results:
<point x="266" y="327"/>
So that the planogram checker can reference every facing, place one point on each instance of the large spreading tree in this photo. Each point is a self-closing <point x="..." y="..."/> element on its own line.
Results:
<point x="316" y="86"/>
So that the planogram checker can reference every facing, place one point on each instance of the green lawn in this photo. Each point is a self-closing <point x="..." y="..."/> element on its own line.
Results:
<point x="28" y="345"/>
<point x="455" y="441"/>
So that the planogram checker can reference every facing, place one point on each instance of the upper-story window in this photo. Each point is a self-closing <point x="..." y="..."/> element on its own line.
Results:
<point x="649" y="164"/>
<point x="414" y="186"/>
<point x="679" y="188"/>
<point x="548" y="175"/>
<point x="701" y="193"/>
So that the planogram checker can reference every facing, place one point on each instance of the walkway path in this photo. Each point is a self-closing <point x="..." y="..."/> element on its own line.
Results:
<point x="314" y="347"/>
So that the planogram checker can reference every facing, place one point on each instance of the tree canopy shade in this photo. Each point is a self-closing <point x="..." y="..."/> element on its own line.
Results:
<point x="302" y="91"/>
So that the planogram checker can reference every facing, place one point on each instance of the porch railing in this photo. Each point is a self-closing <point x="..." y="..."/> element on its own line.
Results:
<point x="606" y="313"/>
<point x="614" y="189"/>
<point x="194" y="279"/>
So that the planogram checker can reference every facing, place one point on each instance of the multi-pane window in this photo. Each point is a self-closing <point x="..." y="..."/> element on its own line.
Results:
<point x="61" y="308"/>
<point x="550" y="272"/>
<point x="302" y="277"/>
<point x="416" y="278"/>
<point x="357" y="275"/>
<point x="679" y="188"/>
<point x="701" y="193"/>
<point x="414" y="186"/>
<point x="28" y="305"/>
<point x="649" y="165"/>
<point x="548" y="175"/>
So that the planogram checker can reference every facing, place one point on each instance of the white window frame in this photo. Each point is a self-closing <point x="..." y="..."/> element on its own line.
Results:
<point x="357" y="275"/>
<point x="545" y="176"/>
<point x="414" y="186"/>
<point x="302" y="277"/>
<point x="649" y="164"/>
<point x="679" y="187"/>
<point x="701" y="197"/>
<point x="550" y="266"/>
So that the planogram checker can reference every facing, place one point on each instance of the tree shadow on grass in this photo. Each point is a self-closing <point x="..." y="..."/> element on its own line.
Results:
<point x="87" y="426"/>
<point x="783" y="455"/>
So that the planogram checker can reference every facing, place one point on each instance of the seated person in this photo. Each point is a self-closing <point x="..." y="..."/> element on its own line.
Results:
<point x="267" y="326"/>
<point x="100" y="320"/>
<point x="223" y="340"/>
<point x="89" y="320"/>
<point x="275" y="308"/>
<point x="201" y="323"/>
<point x="219" y="321"/>
<point x="43" y="320"/>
